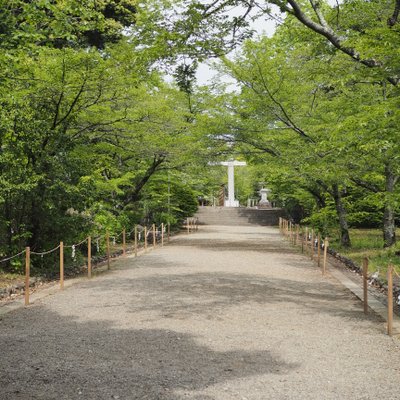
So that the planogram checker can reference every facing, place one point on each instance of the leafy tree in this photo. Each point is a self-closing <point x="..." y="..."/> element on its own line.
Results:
<point x="64" y="23"/>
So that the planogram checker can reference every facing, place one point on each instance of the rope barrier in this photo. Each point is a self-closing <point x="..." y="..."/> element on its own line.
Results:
<point x="75" y="244"/>
<point x="12" y="257"/>
<point x="73" y="247"/>
<point x="117" y="236"/>
<point x="45" y="252"/>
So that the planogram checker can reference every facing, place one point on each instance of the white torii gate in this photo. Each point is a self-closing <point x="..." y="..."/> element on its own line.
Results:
<point x="231" y="164"/>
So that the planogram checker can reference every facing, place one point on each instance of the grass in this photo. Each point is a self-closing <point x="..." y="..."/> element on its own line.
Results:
<point x="369" y="243"/>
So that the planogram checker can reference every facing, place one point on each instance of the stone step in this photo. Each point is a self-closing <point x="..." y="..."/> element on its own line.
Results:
<point x="239" y="216"/>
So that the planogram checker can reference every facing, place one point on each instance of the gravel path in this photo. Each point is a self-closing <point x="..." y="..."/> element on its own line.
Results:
<point x="225" y="313"/>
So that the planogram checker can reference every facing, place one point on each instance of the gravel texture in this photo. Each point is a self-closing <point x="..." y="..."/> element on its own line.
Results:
<point x="224" y="313"/>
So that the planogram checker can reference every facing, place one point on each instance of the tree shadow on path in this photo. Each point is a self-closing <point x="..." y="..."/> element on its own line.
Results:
<point x="62" y="358"/>
<point x="207" y="294"/>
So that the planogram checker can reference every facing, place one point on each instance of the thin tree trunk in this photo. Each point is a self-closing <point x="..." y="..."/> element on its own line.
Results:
<point x="389" y="226"/>
<point x="342" y="215"/>
<point x="135" y="194"/>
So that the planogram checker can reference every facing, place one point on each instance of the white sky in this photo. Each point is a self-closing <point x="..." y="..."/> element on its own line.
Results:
<point x="206" y="73"/>
<point x="262" y="26"/>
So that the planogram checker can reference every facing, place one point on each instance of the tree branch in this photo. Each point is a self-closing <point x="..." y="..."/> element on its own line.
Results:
<point x="393" y="19"/>
<point x="366" y="185"/>
<point x="325" y="30"/>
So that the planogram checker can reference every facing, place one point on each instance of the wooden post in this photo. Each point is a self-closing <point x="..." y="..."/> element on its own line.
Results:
<point x="319" y="250"/>
<point x="27" y="273"/>
<point x="302" y="240"/>
<point x="306" y="244"/>
<point x="145" y="238"/>
<point x="365" y="284"/>
<point x="290" y="231"/>
<point x="390" y="300"/>
<point x="108" y="250"/>
<point x="154" y="235"/>
<point x="312" y="244"/>
<point x="162" y="234"/>
<point x="187" y="226"/>
<point x="326" y="244"/>
<point x="168" y="231"/>
<point x="61" y="265"/>
<point x="124" y="243"/>
<point x="89" y="257"/>
<point x="136" y="237"/>
<point x="297" y="233"/>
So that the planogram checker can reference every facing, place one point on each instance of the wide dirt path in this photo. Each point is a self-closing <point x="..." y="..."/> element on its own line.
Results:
<point x="224" y="313"/>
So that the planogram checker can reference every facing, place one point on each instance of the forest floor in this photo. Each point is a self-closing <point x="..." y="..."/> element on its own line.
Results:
<point x="224" y="313"/>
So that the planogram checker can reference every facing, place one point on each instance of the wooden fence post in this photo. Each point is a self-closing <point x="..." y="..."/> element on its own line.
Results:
<point x="365" y="284"/>
<point x="306" y="244"/>
<point x="136" y="243"/>
<point x="162" y="234"/>
<point x="145" y="238"/>
<point x="326" y="244"/>
<point x="168" y="231"/>
<point x="187" y="226"/>
<point x="312" y="244"/>
<point x="154" y="236"/>
<point x="390" y="300"/>
<point x="61" y="265"/>
<point x="319" y="250"/>
<point x="302" y="240"/>
<point x="89" y="257"/>
<point x="27" y="273"/>
<point x="108" y="249"/>
<point x="124" y="243"/>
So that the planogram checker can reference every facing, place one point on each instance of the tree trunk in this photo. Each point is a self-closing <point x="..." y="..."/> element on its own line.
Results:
<point x="134" y="195"/>
<point x="389" y="226"/>
<point x="342" y="215"/>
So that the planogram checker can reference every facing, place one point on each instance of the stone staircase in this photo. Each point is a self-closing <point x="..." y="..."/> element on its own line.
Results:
<point x="239" y="216"/>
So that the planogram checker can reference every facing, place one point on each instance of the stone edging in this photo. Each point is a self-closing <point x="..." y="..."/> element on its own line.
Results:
<point x="350" y="264"/>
